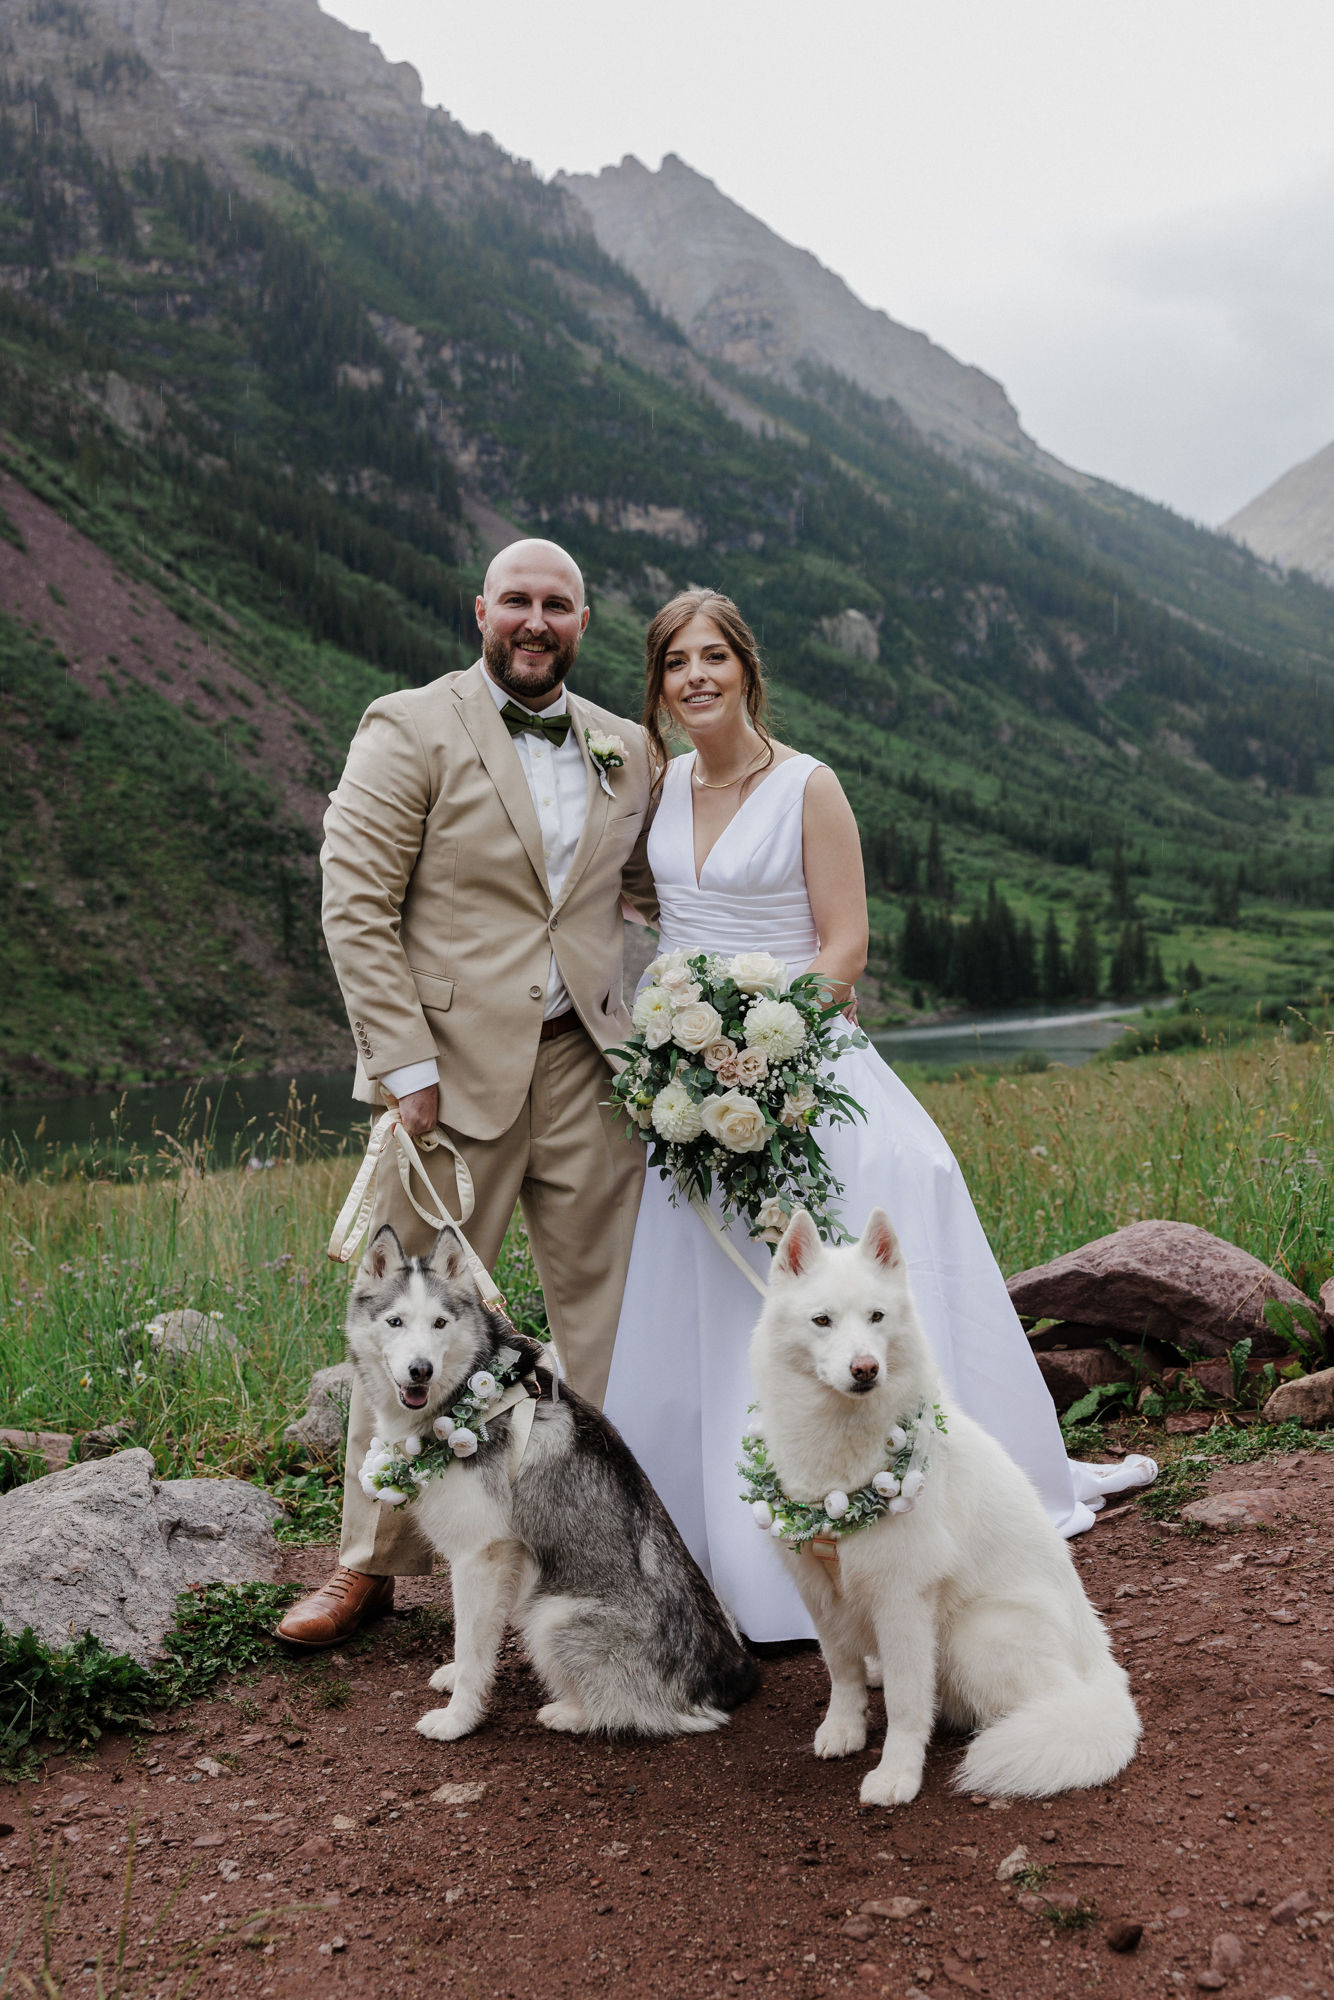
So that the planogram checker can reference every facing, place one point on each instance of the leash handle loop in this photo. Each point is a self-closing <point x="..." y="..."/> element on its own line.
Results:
<point x="389" y="1136"/>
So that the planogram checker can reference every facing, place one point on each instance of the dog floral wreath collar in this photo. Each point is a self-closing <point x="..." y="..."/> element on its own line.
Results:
<point x="800" y="1523"/>
<point x="395" y="1474"/>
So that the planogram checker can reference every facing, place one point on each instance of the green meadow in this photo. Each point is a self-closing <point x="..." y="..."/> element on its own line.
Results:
<point x="1237" y="1139"/>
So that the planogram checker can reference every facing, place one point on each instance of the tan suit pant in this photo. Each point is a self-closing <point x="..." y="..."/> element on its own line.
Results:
<point x="577" y="1177"/>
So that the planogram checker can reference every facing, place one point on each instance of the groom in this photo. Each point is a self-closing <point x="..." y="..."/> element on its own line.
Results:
<point x="474" y="862"/>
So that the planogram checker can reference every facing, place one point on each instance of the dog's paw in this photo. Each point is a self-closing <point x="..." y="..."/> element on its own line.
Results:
<point x="446" y="1725"/>
<point x="875" y="1673"/>
<point x="891" y="1785"/>
<point x="566" y="1716"/>
<point x="840" y="1736"/>
<point x="442" y="1680"/>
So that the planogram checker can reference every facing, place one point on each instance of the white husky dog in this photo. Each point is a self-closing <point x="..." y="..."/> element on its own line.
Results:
<point x="961" y="1585"/>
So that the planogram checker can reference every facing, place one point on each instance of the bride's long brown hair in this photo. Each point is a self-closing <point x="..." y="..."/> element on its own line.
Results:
<point x="686" y="605"/>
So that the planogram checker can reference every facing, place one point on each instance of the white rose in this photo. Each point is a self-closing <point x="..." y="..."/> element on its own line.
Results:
<point x="758" y="972"/>
<point x="735" y="1121"/>
<point x="770" y="1220"/>
<point x="390" y="1495"/>
<point x="669" y="961"/>
<point x="680" y="985"/>
<point x="462" y="1442"/>
<point x="836" y="1504"/>
<point x="696" y="1026"/>
<point x="367" y="1486"/>
<point x="676" y="1115"/>
<point x="885" y="1484"/>
<point x="913" y="1484"/>
<point x="719" y="1052"/>
<point x="898" y="1437"/>
<point x="607" y="749"/>
<point x="442" y="1427"/>
<point x="484" y="1386"/>
<point x="776" y="1027"/>
<point x="778" y="1529"/>
<point x="797" y="1105"/>
<point x="642" y="1115"/>
<point x="412" y="1446"/>
<point x="900" y="1506"/>
<point x="652" y="1015"/>
<point x="763" y="1513"/>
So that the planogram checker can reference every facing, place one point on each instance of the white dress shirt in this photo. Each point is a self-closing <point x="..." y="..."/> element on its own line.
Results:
<point x="558" y="784"/>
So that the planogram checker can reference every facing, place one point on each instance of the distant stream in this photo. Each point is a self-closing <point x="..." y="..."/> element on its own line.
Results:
<point x="243" y="1113"/>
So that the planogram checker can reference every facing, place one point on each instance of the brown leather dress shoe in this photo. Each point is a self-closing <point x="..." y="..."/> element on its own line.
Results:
<point x="336" y="1610"/>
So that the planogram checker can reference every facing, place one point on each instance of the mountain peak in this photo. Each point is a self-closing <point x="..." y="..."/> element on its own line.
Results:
<point x="227" y="78"/>
<point x="745" y="296"/>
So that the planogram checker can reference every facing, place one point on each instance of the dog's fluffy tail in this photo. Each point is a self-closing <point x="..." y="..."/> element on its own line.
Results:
<point x="1081" y="1732"/>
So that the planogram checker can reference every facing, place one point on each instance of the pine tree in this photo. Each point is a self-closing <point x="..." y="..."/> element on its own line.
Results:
<point x="937" y="881"/>
<point x="1085" y="960"/>
<point x="1122" y="903"/>
<point x="1055" y="971"/>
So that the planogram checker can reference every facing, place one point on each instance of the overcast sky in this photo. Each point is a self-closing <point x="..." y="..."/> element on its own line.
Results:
<point x="1124" y="209"/>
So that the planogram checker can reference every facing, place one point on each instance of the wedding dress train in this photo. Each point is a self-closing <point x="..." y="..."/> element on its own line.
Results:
<point x="679" y="1390"/>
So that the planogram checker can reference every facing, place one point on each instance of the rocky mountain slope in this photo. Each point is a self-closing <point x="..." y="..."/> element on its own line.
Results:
<point x="745" y="297"/>
<point x="224" y="80"/>
<point x="1292" y="521"/>
<point x="263" y="411"/>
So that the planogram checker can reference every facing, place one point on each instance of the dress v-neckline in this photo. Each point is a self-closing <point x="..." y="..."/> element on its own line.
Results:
<point x="698" y="869"/>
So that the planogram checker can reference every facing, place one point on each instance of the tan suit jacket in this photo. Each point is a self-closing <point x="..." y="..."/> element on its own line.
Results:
<point x="436" y="907"/>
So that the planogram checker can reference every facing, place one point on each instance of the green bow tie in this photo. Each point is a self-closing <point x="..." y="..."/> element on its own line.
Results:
<point x="516" y="719"/>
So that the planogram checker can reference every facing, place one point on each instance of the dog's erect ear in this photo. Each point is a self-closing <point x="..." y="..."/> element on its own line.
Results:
<point x="798" y="1247"/>
<point x="447" y="1259"/>
<point x="879" y="1242"/>
<point x="384" y="1253"/>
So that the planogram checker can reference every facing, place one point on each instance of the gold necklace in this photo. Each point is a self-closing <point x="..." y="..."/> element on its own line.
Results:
<point x="717" y="785"/>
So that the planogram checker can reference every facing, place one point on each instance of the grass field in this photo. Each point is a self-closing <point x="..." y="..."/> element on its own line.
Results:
<point x="1240" y="1141"/>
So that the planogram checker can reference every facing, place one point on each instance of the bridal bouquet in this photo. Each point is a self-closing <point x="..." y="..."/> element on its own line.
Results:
<point x="730" y="1069"/>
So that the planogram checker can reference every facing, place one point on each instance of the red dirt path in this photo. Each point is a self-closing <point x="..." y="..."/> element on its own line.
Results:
<point x="738" y="1861"/>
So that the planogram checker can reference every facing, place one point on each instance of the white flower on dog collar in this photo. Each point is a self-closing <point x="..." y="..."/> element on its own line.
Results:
<point x="892" y="1491"/>
<point x="397" y="1473"/>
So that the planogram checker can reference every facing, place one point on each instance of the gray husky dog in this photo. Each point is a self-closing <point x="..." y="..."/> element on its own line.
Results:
<point x="570" y="1544"/>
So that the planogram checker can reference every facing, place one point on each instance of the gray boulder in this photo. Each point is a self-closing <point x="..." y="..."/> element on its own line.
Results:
<point x="1166" y="1281"/>
<point x="53" y="1447"/>
<point x="187" y="1335"/>
<point x="106" y="1548"/>
<point x="323" y="1429"/>
<point x="1308" y="1400"/>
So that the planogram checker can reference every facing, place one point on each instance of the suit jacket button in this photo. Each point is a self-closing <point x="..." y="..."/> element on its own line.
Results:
<point x="534" y="992"/>
<point x="554" y="922"/>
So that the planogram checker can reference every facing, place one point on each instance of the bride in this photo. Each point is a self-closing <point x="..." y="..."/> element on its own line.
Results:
<point x="754" y="848"/>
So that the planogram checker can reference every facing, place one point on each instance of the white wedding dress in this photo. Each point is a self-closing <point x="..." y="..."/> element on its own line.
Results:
<point x="680" y="1389"/>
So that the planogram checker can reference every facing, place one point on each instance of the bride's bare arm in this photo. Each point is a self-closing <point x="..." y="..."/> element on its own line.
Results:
<point x="831" y="852"/>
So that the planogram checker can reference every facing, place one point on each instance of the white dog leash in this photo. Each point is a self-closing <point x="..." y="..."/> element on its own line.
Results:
<point x="388" y="1136"/>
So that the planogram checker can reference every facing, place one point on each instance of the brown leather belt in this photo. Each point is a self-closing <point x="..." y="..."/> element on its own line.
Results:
<point x="560" y="1024"/>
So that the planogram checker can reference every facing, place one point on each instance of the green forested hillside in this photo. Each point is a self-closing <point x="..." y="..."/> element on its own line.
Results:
<point x="278" y="432"/>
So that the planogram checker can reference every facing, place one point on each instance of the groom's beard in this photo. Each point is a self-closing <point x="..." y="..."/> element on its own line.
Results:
<point x="525" y="676"/>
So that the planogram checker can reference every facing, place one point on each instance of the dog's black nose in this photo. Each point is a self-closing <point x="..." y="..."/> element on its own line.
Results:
<point x="420" y="1371"/>
<point x="864" y="1370"/>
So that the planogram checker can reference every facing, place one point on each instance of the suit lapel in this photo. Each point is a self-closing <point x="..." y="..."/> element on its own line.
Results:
<point x="495" y="747"/>
<point x="597" y="803"/>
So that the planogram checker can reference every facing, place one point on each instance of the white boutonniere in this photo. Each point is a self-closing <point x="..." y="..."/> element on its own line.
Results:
<point x="608" y="753"/>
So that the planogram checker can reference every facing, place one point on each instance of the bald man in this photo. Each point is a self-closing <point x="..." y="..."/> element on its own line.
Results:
<point x="475" y="859"/>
